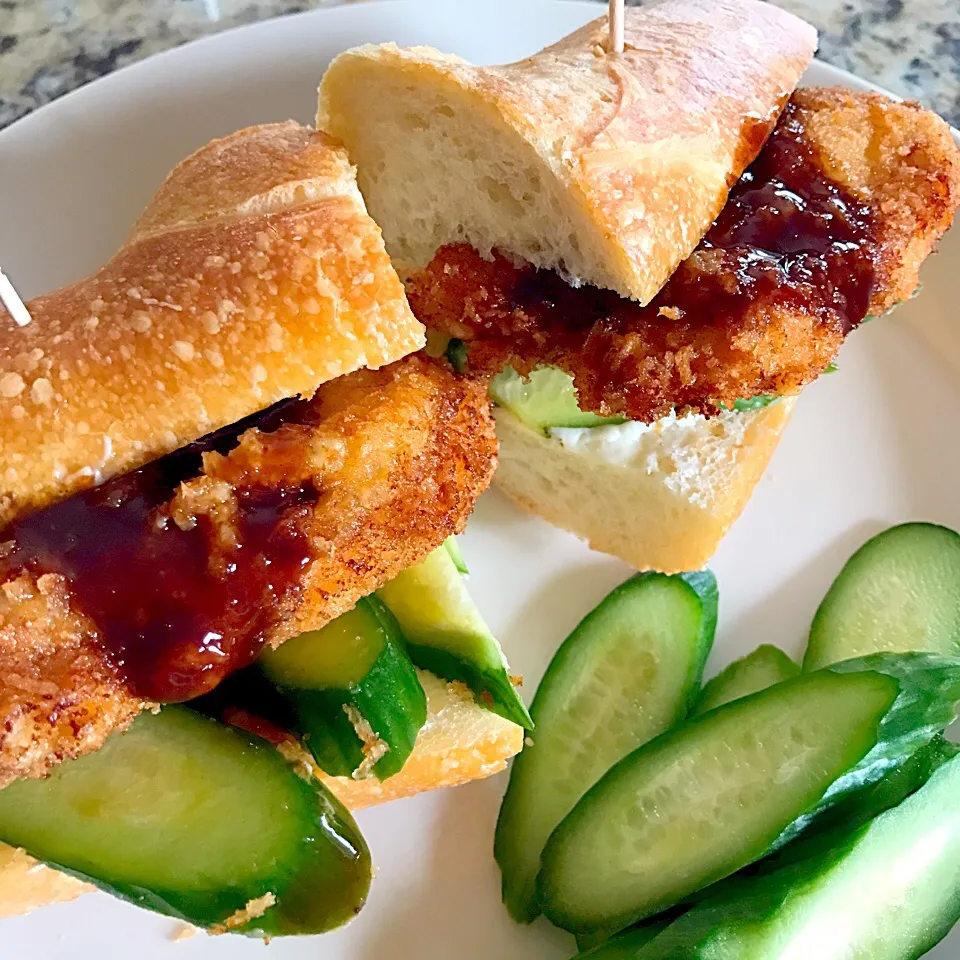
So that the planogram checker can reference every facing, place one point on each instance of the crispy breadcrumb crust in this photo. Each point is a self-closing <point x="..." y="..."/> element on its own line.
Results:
<point x="896" y="158"/>
<point x="399" y="457"/>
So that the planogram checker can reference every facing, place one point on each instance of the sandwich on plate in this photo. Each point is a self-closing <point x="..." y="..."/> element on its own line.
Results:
<point x="648" y="254"/>
<point x="230" y="605"/>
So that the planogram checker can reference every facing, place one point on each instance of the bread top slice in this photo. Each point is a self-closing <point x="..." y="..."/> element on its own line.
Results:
<point x="608" y="168"/>
<point x="255" y="274"/>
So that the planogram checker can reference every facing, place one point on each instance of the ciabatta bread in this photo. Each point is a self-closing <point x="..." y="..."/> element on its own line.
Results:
<point x="460" y="741"/>
<point x="256" y="274"/>
<point x="659" y="496"/>
<point x="608" y="168"/>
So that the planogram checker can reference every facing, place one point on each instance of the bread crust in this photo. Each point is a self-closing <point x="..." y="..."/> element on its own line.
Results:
<point x="668" y="509"/>
<point x="644" y="144"/>
<point x="460" y="741"/>
<point x="255" y="275"/>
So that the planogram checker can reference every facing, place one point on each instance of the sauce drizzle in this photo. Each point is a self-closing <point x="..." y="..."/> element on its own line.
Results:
<point x="177" y="612"/>
<point x="788" y="243"/>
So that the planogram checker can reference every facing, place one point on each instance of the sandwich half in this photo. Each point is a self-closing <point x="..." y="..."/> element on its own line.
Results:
<point x="222" y="441"/>
<point x="648" y="253"/>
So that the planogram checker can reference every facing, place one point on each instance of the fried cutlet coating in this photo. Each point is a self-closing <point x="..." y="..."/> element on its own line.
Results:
<point x="717" y="332"/>
<point x="398" y="456"/>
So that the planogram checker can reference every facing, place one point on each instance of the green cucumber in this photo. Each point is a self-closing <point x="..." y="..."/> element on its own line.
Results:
<point x="447" y="635"/>
<point x="756" y="671"/>
<point x="889" y="890"/>
<point x="626" y="673"/>
<point x="547" y="398"/>
<point x="730" y="786"/>
<point x="840" y="822"/>
<point x="193" y="819"/>
<point x="456" y="555"/>
<point x="357" y="703"/>
<point x="900" y="591"/>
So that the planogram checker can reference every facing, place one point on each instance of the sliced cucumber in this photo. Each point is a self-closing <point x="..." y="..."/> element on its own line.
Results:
<point x="358" y="705"/>
<point x="456" y="554"/>
<point x="730" y="786"/>
<point x="193" y="819"/>
<point x="625" y="674"/>
<point x="547" y="398"/>
<point x="849" y="815"/>
<point x="447" y="635"/>
<point x="763" y="668"/>
<point x="900" y="591"/>
<point x="888" y="891"/>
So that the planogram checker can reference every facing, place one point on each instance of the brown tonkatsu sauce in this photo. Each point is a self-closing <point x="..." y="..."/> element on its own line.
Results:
<point x="788" y="240"/>
<point x="175" y="622"/>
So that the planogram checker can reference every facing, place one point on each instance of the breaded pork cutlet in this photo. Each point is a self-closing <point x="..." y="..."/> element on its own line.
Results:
<point x="285" y="524"/>
<point x="829" y="225"/>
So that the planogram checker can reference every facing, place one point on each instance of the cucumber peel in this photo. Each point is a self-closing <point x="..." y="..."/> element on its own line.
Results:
<point x="179" y="814"/>
<point x="627" y="673"/>
<point x="733" y="785"/>
<point x="357" y="702"/>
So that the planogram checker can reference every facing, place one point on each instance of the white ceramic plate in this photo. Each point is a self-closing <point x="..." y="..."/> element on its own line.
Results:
<point x="869" y="446"/>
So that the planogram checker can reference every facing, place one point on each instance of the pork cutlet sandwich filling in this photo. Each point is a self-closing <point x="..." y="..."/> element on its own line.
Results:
<point x="221" y="441"/>
<point x="649" y="253"/>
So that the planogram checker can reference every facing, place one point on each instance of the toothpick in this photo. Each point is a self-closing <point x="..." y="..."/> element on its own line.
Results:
<point x="11" y="300"/>
<point x="615" y="22"/>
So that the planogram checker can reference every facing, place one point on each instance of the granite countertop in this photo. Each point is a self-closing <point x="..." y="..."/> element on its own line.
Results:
<point x="48" y="47"/>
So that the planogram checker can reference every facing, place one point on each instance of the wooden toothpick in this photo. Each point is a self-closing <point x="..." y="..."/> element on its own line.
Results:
<point x="615" y="18"/>
<point x="11" y="300"/>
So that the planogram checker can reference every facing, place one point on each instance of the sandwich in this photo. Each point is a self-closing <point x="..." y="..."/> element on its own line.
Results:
<point x="230" y="480"/>
<point x="647" y="254"/>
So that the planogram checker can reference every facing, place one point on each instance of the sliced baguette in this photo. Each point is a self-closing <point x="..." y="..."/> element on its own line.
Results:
<point x="607" y="168"/>
<point x="460" y="741"/>
<point x="254" y="275"/>
<point x="662" y="502"/>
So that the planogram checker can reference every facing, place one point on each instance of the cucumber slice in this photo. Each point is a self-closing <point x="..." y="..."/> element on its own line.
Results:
<point x="847" y="817"/>
<point x="193" y="819"/>
<point x="447" y="635"/>
<point x="900" y="591"/>
<point x="730" y="786"/>
<point x="456" y="555"/>
<point x="547" y="398"/>
<point x="358" y="705"/>
<point x="625" y="674"/>
<point x="763" y="668"/>
<point x="888" y="891"/>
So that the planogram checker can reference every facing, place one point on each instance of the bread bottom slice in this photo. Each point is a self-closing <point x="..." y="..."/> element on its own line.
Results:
<point x="460" y="741"/>
<point x="659" y="496"/>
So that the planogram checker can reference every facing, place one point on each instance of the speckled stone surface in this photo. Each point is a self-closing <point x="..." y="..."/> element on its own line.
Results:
<point x="48" y="47"/>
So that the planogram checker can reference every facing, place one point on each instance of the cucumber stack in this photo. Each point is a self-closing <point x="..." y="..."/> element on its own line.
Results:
<point x="193" y="818"/>
<point x="789" y="814"/>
